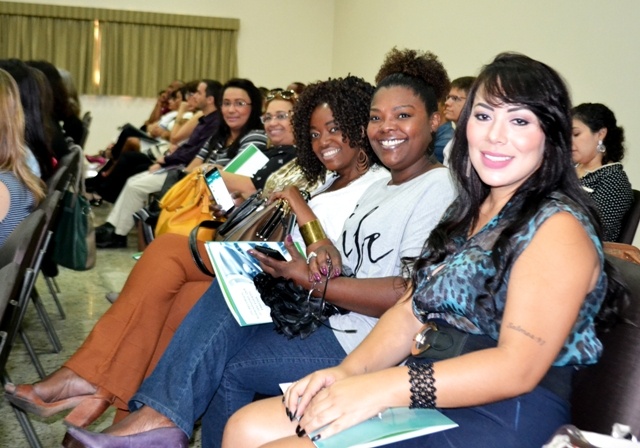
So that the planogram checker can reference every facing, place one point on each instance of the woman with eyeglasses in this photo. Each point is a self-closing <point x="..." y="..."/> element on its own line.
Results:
<point x="280" y="148"/>
<point x="213" y="366"/>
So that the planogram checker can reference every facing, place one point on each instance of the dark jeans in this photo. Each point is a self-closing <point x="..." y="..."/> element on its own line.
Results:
<point x="527" y="421"/>
<point x="213" y="366"/>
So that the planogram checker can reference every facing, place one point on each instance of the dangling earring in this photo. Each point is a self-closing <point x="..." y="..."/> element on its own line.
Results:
<point x="362" y="162"/>
<point x="601" y="148"/>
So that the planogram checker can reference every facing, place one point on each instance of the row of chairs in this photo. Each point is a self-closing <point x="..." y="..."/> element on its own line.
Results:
<point x="21" y="259"/>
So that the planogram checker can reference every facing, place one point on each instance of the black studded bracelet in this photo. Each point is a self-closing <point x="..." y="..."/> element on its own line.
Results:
<point x="423" y="389"/>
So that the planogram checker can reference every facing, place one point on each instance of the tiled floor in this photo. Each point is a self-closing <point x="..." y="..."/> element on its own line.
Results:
<point x="84" y="302"/>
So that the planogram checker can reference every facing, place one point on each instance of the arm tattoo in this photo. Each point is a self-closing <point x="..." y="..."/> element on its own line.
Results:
<point x="519" y="329"/>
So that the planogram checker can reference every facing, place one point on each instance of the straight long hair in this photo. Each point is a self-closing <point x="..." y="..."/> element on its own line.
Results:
<point x="517" y="79"/>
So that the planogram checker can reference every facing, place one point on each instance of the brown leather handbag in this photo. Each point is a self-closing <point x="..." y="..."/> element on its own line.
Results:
<point x="256" y="222"/>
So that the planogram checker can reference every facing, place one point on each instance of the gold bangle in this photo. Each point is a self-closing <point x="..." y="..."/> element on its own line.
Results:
<point x="312" y="232"/>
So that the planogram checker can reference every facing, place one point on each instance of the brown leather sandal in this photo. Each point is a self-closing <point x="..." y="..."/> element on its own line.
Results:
<point x="25" y="397"/>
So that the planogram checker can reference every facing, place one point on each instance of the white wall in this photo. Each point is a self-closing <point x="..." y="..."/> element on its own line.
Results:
<point x="593" y="44"/>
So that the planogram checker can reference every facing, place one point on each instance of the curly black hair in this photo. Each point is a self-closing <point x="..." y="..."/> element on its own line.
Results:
<point x="597" y="116"/>
<point x="349" y="99"/>
<point x="421" y="71"/>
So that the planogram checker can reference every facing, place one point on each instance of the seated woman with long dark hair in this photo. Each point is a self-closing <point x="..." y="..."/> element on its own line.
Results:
<point x="514" y="274"/>
<point x="241" y="110"/>
<point x="598" y="149"/>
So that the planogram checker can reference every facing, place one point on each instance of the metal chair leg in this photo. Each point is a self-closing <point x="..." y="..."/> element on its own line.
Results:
<point x="56" y="299"/>
<point x="27" y="427"/>
<point x="32" y="354"/>
<point x="55" y="290"/>
<point x="46" y="321"/>
<point x="55" y="283"/>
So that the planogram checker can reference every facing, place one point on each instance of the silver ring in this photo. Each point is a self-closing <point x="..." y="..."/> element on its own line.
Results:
<point x="310" y="256"/>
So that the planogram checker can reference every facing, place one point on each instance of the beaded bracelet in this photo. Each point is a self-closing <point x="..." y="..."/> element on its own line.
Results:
<point x="423" y="389"/>
<point x="312" y="232"/>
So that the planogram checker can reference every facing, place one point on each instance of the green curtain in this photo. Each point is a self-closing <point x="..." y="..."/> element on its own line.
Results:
<point x="141" y="59"/>
<point x="138" y="53"/>
<point x="65" y="43"/>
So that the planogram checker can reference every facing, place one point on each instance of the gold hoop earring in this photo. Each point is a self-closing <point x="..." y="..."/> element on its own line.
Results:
<point x="362" y="161"/>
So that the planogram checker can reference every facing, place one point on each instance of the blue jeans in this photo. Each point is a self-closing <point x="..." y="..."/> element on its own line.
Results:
<point x="527" y="421"/>
<point x="214" y="365"/>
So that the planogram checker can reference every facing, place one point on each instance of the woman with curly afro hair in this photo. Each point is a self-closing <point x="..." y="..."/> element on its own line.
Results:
<point x="328" y="123"/>
<point x="349" y="100"/>
<point x="390" y="223"/>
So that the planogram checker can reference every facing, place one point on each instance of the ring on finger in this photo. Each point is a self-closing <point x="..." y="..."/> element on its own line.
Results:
<point x="310" y="256"/>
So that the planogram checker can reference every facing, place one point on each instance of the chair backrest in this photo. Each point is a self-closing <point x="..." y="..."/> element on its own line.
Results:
<point x="73" y="162"/>
<point x="59" y="181"/>
<point x="87" y="118"/>
<point x="86" y="124"/>
<point x="609" y="392"/>
<point x="8" y="280"/>
<point x="50" y="206"/>
<point x="20" y="248"/>
<point x="630" y="221"/>
<point x="22" y="244"/>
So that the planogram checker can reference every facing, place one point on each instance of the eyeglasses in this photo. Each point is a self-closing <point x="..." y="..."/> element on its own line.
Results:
<point x="239" y="104"/>
<point x="286" y="95"/>
<point x="316" y="308"/>
<point x="456" y="98"/>
<point x="280" y="116"/>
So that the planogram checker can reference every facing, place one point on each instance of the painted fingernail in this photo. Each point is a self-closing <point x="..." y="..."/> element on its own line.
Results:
<point x="336" y="272"/>
<point x="287" y="411"/>
<point x="315" y="438"/>
<point x="301" y="432"/>
<point x="317" y="277"/>
<point x="323" y="269"/>
<point x="283" y="398"/>
<point x="289" y="239"/>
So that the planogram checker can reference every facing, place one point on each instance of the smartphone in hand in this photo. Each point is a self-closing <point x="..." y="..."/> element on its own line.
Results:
<point x="218" y="189"/>
<point x="275" y="254"/>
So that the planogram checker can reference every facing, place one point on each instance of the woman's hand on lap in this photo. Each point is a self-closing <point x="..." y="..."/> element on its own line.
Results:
<point x="345" y="403"/>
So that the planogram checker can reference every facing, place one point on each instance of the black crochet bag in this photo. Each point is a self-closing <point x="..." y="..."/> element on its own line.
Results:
<point x="294" y="310"/>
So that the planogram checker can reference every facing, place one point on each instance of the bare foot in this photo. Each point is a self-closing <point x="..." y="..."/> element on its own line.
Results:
<point x="143" y="420"/>
<point x="61" y="384"/>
